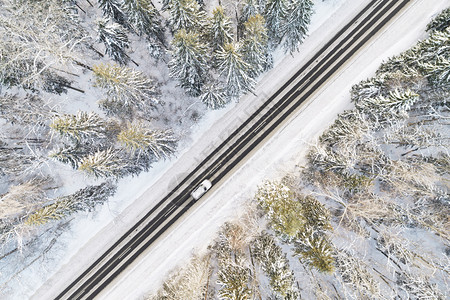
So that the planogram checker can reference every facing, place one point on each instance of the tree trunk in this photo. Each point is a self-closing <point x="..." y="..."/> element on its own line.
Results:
<point x="96" y="51"/>
<point x="79" y="7"/>
<point x="70" y="73"/>
<point x="73" y="88"/>
<point x="408" y="152"/>
<point x="82" y="65"/>
<point x="137" y="65"/>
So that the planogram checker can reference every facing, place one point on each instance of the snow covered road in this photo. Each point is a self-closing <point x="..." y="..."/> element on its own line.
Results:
<point x="196" y="230"/>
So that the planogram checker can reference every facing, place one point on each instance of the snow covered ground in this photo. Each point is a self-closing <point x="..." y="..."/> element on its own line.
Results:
<point x="87" y="238"/>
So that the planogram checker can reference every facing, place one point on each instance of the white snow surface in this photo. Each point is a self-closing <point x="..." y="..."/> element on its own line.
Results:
<point x="88" y="237"/>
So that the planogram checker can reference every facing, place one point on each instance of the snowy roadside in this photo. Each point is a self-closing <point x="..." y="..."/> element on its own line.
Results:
<point x="194" y="232"/>
<point x="224" y="204"/>
<point x="89" y="237"/>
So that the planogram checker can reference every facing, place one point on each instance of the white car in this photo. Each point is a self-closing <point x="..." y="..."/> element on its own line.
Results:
<point x="201" y="189"/>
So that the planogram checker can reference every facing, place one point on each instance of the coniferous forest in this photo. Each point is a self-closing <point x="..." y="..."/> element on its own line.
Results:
<point x="366" y="217"/>
<point x="95" y="91"/>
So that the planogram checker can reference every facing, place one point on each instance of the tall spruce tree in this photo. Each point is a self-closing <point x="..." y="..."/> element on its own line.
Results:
<point x="234" y="70"/>
<point x="113" y="9"/>
<point x="213" y="95"/>
<point x="69" y="154"/>
<point x="126" y="88"/>
<point x="414" y="61"/>
<point x="275" y="15"/>
<point x="233" y="280"/>
<point x="115" y="38"/>
<point x="441" y="22"/>
<point x="282" y="209"/>
<point x="158" y="143"/>
<point x="80" y="126"/>
<point x="438" y="72"/>
<point x="144" y="18"/>
<point x="106" y="163"/>
<point x="315" y="250"/>
<point x="387" y="109"/>
<point x="297" y="21"/>
<point x="189" y="61"/>
<point x="85" y="199"/>
<point x="276" y="265"/>
<point x="219" y="28"/>
<point x="185" y="14"/>
<point x="254" y="47"/>
<point x="249" y="8"/>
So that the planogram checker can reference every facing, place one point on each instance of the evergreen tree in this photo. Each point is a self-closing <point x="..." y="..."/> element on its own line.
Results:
<point x="348" y="127"/>
<point x="314" y="250"/>
<point x="213" y="95"/>
<point x="106" y="163"/>
<point x="281" y="207"/>
<point x="143" y="18"/>
<point x="219" y="28"/>
<point x="369" y="88"/>
<point x="276" y="265"/>
<point x="72" y="155"/>
<point x="126" y="88"/>
<point x="233" y="280"/>
<point x="275" y="15"/>
<point x="83" y="200"/>
<point x="315" y="213"/>
<point x="154" y="49"/>
<point x="115" y="39"/>
<point x="234" y="70"/>
<point x="159" y="143"/>
<point x="297" y="21"/>
<point x="185" y="14"/>
<point x="383" y="109"/>
<point x="254" y="47"/>
<point x="112" y="9"/>
<point x="429" y="51"/>
<point x="261" y="6"/>
<point x="438" y="72"/>
<point x="249" y="8"/>
<point x="441" y="22"/>
<point x="80" y="126"/>
<point x="189" y="61"/>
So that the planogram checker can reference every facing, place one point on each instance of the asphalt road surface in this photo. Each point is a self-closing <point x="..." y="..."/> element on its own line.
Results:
<point x="237" y="148"/>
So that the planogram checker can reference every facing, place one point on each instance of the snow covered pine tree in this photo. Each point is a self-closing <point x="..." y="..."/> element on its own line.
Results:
<point x="189" y="61"/>
<point x="219" y="28"/>
<point x="295" y="28"/>
<point x="115" y="39"/>
<point x="234" y="70"/>
<point x="126" y="88"/>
